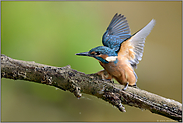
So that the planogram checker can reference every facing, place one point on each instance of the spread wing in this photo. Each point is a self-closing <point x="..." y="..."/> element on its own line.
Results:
<point x="134" y="46"/>
<point x="117" y="31"/>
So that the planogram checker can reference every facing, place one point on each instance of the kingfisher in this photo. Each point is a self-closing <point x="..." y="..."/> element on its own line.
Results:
<point x="121" y="51"/>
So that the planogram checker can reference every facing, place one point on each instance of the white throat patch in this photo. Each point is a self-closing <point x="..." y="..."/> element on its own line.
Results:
<point x="111" y="58"/>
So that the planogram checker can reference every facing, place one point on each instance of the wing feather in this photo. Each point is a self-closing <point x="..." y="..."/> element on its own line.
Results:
<point x="117" y="31"/>
<point x="135" y="44"/>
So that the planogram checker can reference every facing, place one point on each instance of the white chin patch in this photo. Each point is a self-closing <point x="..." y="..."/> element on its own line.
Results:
<point x="111" y="58"/>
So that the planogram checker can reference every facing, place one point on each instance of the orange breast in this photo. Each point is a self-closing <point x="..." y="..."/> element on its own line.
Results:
<point x="122" y="71"/>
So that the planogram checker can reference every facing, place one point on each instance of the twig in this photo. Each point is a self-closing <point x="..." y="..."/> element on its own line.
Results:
<point x="76" y="82"/>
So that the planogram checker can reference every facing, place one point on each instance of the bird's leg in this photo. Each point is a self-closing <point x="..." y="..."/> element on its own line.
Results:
<point x="134" y="86"/>
<point x="105" y="75"/>
<point x="126" y="86"/>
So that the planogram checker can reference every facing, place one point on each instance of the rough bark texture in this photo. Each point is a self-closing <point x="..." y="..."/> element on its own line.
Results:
<point x="76" y="82"/>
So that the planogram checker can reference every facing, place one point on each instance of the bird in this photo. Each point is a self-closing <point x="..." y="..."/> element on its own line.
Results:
<point x="121" y="51"/>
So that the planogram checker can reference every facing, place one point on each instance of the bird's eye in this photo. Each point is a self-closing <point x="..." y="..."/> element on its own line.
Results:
<point x="97" y="53"/>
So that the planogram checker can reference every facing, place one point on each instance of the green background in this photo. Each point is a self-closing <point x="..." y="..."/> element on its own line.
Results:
<point x="52" y="32"/>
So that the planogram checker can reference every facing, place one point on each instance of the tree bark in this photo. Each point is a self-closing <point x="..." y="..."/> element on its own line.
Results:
<point x="76" y="82"/>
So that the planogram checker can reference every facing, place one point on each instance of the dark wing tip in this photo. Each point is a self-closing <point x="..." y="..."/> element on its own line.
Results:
<point x="117" y="31"/>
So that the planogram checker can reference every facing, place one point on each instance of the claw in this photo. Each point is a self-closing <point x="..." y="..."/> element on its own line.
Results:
<point x="134" y="86"/>
<point x="126" y="86"/>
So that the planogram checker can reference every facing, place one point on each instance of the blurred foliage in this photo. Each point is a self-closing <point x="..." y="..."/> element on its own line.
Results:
<point x="52" y="32"/>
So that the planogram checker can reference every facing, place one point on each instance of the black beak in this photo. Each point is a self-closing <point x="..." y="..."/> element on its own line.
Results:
<point x="83" y="54"/>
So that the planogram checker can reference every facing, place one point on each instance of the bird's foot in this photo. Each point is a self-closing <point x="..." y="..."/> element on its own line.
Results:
<point x="105" y="76"/>
<point x="126" y="86"/>
<point x="109" y="80"/>
<point x="134" y="86"/>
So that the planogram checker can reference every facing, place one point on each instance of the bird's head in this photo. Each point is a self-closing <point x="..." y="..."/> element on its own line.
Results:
<point x="101" y="53"/>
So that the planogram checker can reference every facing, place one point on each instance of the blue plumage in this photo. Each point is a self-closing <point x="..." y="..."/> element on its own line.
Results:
<point x="102" y="50"/>
<point x="117" y="32"/>
<point x="121" y="51"/>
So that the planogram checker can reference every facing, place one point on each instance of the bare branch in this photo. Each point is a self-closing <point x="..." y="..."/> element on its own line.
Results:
<point x="76" y="82"/>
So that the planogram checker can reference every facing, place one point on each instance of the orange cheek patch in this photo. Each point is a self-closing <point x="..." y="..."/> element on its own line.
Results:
<point x="103" y="56"/>
<point x="92" y="52"/>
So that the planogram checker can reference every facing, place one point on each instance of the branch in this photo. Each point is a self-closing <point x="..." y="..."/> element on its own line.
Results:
<point x="76" y="82"/>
